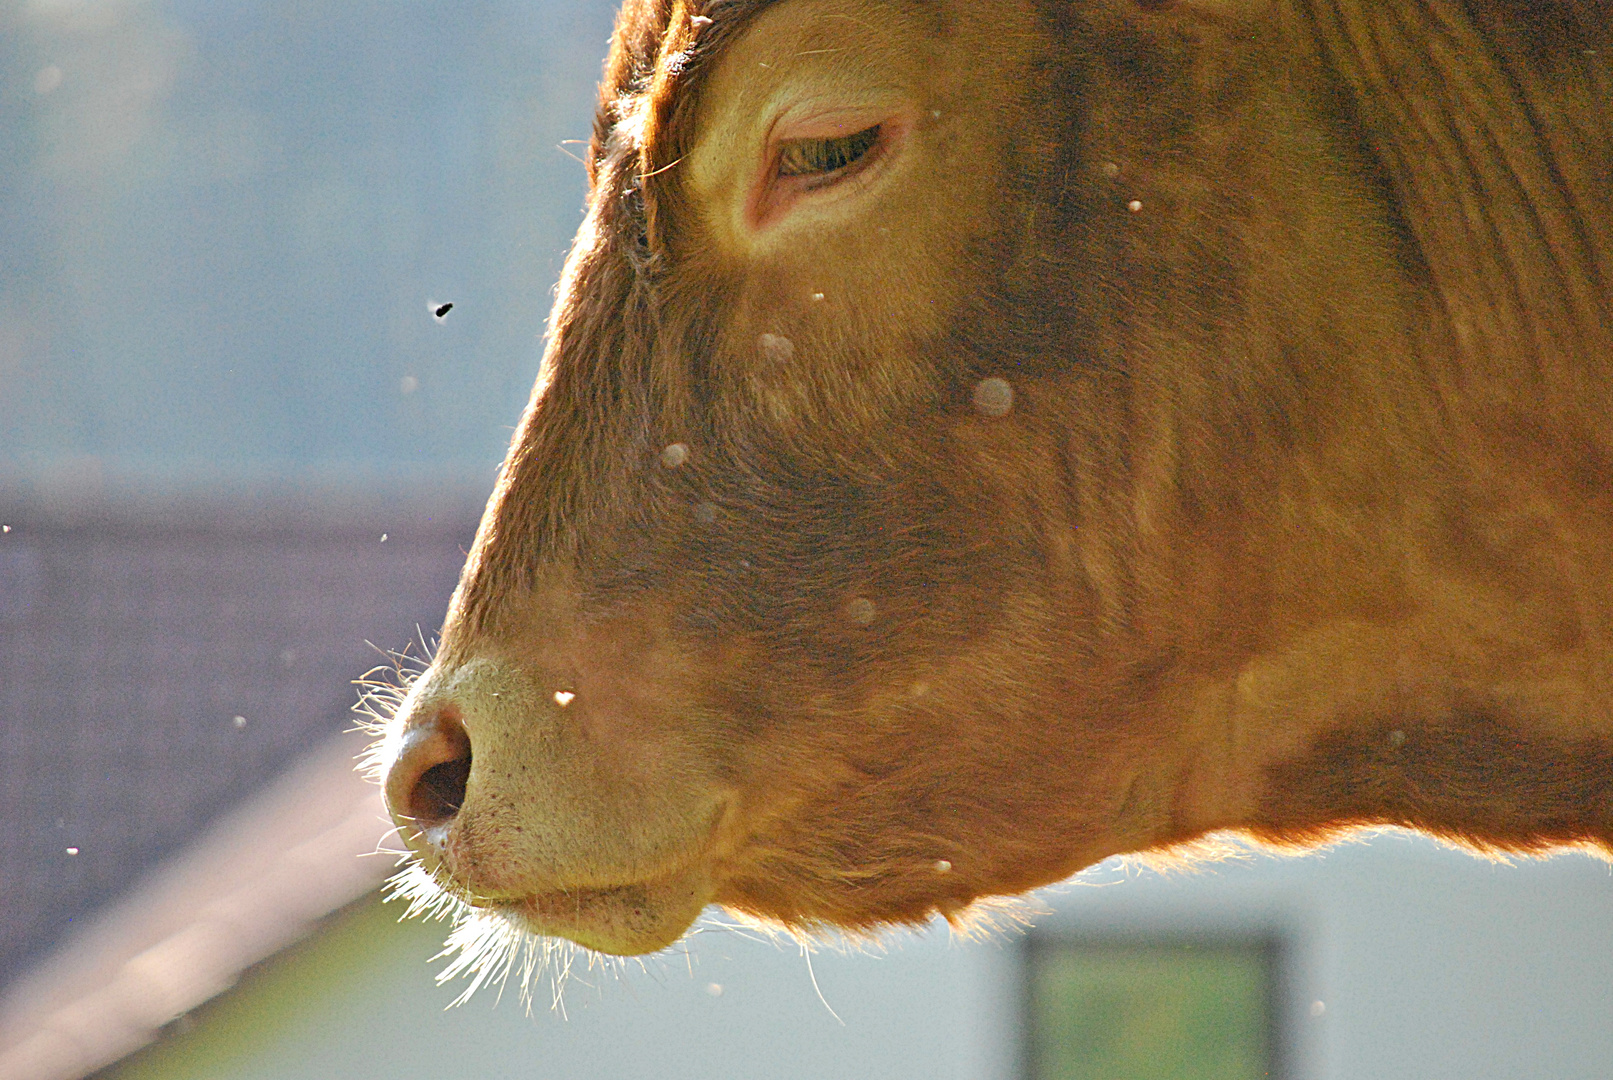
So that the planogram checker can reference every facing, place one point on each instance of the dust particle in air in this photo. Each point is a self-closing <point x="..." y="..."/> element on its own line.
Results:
<point x="993" y="397"/>
<point x="776" y="348"/>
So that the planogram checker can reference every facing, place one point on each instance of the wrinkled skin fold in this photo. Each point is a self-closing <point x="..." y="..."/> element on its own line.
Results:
<point x="975" y="440"/>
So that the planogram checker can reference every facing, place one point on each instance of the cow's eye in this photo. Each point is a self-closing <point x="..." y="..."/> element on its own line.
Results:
<point x="820" y="157"/>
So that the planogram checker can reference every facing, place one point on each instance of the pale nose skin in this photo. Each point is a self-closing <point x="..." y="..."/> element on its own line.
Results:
<point x="425" y="784"/>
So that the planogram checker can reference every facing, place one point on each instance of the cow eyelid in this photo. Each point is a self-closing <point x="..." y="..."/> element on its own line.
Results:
<point x="820" y="157"/>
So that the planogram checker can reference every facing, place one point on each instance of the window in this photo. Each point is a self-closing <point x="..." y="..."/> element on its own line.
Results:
<point x="1136" y="1009"/>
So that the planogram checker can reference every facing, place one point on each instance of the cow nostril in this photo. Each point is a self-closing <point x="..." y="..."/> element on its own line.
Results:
<point x="440" y="791"/>
<point x="426" y="784"/>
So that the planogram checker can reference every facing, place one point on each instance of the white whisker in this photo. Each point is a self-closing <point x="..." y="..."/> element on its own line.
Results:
<point x="807" y="953"/>
<point x="484" y="946"/>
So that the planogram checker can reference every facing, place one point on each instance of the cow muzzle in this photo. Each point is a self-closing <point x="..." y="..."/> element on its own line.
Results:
<point x="516" y="800"/>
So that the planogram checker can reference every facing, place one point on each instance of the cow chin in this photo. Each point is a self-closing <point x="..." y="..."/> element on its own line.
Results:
<point x="625" y="920"/>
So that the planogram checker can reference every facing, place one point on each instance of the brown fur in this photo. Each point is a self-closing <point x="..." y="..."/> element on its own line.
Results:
<point x="1439" y="774"/>
<point x="1308" y="312"/>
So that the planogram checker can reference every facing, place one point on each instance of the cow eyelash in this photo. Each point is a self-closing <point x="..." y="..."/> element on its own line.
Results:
<point x="820" y="157"/>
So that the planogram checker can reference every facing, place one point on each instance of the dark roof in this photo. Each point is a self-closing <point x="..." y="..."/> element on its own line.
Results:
<point x="161" y="661"/>
<point x="264" y="876"/>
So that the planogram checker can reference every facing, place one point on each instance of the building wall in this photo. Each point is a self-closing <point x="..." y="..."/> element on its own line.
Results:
<point x="1428" y="964"/>
<point x="359" y="1002"/>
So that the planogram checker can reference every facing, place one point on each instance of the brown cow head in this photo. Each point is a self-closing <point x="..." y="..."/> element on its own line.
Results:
<point x="920" y="387"/>
<point x="761" y="610"/>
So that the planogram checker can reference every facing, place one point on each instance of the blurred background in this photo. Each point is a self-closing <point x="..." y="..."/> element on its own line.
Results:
<point x="223" y="226"/>
<point x="243" y="444"/>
